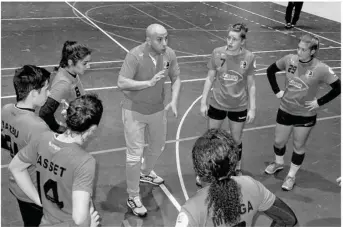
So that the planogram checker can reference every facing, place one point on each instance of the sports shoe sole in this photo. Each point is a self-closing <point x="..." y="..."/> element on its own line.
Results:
<point x="150" y="182"/>
<point x="276" y="170"/>
<point x="135" y="213"/>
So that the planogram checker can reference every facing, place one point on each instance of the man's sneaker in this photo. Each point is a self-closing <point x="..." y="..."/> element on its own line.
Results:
<point x="292" y="25"/>
<point x="288" y="183"/>
<point x="273" y="167"/>
<point x="152" y="178"/>
<point x="136" y="206"/>
<point x="288" y="25"/>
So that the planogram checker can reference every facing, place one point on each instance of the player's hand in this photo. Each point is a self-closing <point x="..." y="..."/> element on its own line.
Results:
<point x="338" y="180"/>
<point x="156" y="78"/>
<point x="94" y="217"/>
<point x="280" y="94"/>
<point x="311" y="105"/>
<point x="173" y="106"/>
<point x="251" y="115"/>
<point x="203" y="109"/>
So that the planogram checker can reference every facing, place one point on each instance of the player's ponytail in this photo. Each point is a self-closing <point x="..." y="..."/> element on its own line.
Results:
<point x="74" y="51"/>
<point x="215" y="158"/>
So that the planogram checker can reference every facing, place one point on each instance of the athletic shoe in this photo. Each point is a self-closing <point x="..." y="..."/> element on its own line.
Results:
<point x="288" y="25"/>
<point x="152" y="178"/>
<point x="288" y="183"/>
<point x="135" y="204"/>
<point x="273" y="167"/>
<point x="292" y="25"/>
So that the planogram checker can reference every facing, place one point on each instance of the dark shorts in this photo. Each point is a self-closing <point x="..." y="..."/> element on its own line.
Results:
<point x="216" y="114"/>
<point x="31" y="213"/>
<point x="284" y="118"/>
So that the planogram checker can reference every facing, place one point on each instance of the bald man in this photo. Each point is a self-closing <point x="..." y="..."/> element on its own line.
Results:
<point x="141" y="79"/>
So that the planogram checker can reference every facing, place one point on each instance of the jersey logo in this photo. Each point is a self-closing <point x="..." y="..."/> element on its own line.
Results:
<point x="292" y="69"/>
<point x="297" y="84"/>
<point x="244" y="64"/>
<point x="309" y="73"/>
<point x="77" y="91"/>
<point x="166" y="65"/>
<point x="231" y="78"/>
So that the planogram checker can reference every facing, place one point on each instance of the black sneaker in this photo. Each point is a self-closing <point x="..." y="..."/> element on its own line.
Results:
<point x="288" y="25"/>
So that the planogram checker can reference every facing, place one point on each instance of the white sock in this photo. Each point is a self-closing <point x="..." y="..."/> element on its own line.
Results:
<point x="293" y="170"/>
<point x="279" y="159"/>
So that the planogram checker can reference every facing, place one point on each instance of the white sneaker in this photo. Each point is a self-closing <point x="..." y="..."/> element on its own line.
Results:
<point x="136" y="206"/>
<point x="152" y="178"/>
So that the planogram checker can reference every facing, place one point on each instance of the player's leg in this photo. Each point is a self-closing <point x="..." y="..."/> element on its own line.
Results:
<point x="156" y="134"/>
<point x="215" y="117"/>
<point x="283" y="130"/>
<point x="297" y="11"/>
<point x="134" y="127"/>
<point x="288" y="16"/>
<point x="236" y="125"/>
<point x="301" y="133"/>
<point x="31" y="213"/>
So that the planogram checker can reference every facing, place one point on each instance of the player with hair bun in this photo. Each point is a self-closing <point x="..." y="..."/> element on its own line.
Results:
<point x="231" y="72"/>
<point x="66" y="85"/>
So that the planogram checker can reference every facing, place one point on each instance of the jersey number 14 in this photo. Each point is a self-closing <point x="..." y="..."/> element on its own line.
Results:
<point x="49" y="185"/>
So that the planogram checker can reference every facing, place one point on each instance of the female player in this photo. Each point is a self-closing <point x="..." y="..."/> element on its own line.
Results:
<point x="66" y="85"/>
<point x="227" y="199"/>
<point x="231" y="72"/>
<point x="297" y="112"/>
<point x="65" y="171"/>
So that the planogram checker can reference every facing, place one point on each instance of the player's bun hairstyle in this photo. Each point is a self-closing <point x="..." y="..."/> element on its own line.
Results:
<point x="215" y="156"/>
<point x="239" y="27"/>
<point x="74" y="51"/>
<point x="28" y="78"/>
<point x="83" y="112"/>
<point x="312" y="41"/>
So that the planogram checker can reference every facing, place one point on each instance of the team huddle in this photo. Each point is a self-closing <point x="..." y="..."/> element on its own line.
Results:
<point x="46" y="131"/>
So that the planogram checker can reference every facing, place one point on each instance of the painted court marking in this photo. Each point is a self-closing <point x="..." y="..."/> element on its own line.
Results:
<point x="280" y="22"/>
<point x="167" y="82"/>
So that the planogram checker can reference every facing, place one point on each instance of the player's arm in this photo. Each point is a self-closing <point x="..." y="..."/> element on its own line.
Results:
<point x="275" y="208"/>
<point x="329" y="77"/>
<point x="47" y="111"/>
<point x="174" y="75"/>
<point x="128" y="70"/>
<point x="21" y="175"/>
<point x="281" y="214"/>
<point x="271" y="74"/>
<point x="207" y="86"/>
<point x="82" y="191"/>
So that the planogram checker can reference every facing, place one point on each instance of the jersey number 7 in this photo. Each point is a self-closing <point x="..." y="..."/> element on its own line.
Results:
<point x="49" y="185"/>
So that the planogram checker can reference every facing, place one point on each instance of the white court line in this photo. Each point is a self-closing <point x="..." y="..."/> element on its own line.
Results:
<point x="178" y="164"/>
<point x="182" y="57"/>
<point x="38" y="18"/>
<point x="151" y="16"/>
<point x="279" y="11"/>
<point x="98" y="27"/>
<point x="190" y="138"/>
<point x="281" y="22"/>
<point x="187" y="21"/>
<point x="167" y="82"/>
